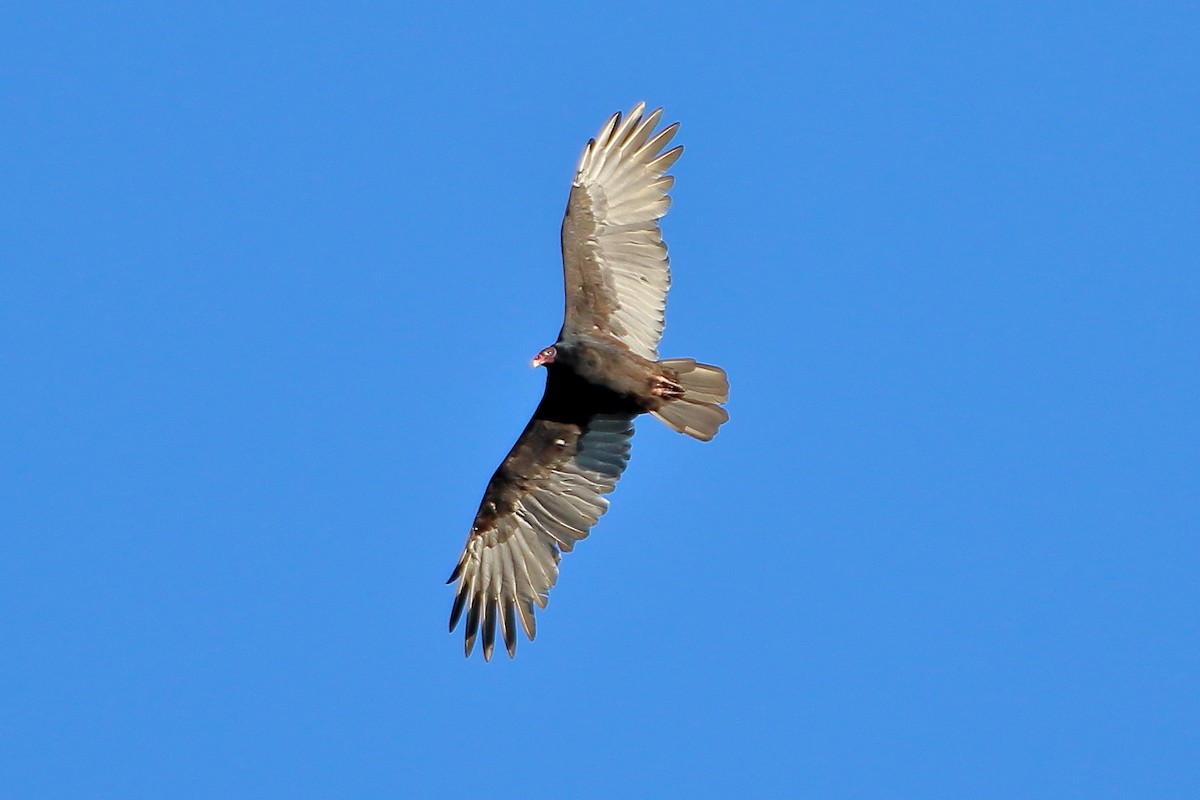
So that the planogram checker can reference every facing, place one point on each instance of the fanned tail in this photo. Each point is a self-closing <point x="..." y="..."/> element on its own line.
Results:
<point x="698" y="412"/>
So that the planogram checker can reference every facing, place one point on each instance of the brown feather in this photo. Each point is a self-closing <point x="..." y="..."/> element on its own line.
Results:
<point x="546" y="494"/>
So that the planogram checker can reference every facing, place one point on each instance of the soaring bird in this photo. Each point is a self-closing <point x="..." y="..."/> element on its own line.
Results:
<point x="602" y="372"/>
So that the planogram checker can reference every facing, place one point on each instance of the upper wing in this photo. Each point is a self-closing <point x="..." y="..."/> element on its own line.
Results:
<point x="614" y="260"/>
<point x="545" y="496"/>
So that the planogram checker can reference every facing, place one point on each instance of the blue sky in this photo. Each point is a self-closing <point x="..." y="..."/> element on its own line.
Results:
<point x="271" y="279"/>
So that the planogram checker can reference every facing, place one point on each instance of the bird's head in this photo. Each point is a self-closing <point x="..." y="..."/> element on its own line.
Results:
<point x="545" y="357"/>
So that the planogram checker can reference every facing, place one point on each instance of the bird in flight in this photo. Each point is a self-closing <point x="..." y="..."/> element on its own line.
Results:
<point x="602" y="372"/>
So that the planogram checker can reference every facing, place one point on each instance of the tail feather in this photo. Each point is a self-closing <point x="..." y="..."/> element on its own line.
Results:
<point x="705" y="387"/>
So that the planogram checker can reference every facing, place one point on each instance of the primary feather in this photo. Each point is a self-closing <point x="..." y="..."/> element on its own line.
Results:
<point x="614" y="261"/>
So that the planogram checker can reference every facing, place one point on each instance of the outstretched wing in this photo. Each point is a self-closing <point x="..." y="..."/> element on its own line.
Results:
<point x="545" y="496"/>
<point x="614" y="261"/>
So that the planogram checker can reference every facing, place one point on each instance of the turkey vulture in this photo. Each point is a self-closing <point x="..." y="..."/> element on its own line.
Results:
<point x="601" y="373"/>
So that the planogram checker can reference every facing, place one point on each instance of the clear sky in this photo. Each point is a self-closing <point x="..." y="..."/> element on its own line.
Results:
<point x="272" y="275"/>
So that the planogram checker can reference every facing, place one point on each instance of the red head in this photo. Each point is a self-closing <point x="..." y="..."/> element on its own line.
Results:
<point x="545" y="357"/>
